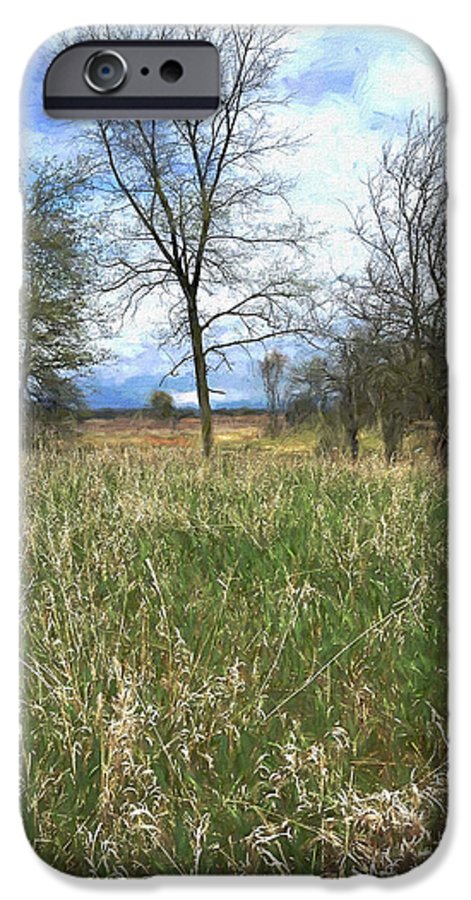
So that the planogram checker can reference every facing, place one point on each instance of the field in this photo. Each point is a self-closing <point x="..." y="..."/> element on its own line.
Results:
<point x="141" y="431"/>
<point x="244" y="432"/>
<point x="234" y="666"/>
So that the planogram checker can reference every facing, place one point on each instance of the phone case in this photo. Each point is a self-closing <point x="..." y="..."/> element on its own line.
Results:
<point x="234" y="386"/>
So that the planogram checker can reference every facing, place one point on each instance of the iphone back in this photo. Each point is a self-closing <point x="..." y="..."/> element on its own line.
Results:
<point x="234" y="443"/>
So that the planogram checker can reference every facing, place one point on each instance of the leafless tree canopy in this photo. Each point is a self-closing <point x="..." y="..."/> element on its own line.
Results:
<point x="401" y="294"/>
<point x="272" y="369"/>
<point x="199" y="234"/>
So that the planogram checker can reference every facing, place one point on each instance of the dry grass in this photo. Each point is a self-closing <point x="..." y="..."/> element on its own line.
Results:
<point x="232" y="667"/>
<point x="125" y="431"/>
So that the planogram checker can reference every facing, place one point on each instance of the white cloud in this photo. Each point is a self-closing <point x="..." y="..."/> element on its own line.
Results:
<point x="401" y="80"/>
<point x="182" y="398"/>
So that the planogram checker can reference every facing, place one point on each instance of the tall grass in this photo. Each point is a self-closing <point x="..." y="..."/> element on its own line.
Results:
<point x="233" y="667"/>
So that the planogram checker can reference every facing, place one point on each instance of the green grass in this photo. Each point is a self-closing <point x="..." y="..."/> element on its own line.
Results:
<point x="232" y="667"/>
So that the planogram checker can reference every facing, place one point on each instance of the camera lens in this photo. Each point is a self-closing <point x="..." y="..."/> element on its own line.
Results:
<point x="105" y="71"/>
<point x="171" y="71"/>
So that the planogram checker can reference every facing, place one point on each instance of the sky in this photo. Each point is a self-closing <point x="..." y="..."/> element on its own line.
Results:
<point x="351" y="90"/>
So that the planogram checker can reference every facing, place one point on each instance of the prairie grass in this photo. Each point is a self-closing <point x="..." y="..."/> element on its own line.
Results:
<point x="232" y="667"/>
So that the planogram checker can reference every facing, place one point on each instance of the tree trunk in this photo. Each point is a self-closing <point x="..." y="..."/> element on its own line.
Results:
<point x="440" y="418"/>
<point x="352" y="422"/>
<point x="392" y="428"/>
<point x="354" y="445"/>
<point x="201" y="378"/>
<point x="439" y="405"/>
<point x="274" y="424"/>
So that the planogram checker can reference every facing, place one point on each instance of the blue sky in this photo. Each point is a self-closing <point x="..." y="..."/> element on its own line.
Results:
<point x="351" y="90"/>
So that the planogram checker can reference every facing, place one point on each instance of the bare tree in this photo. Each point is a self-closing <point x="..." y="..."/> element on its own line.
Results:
<point x="308" y="390"/>
<point x="393" y="375"/>
<point x="347" y="375"/>
<point x="272" y="369"/>
<point x="336" y="382"/>
<point x="208" y="227"/>
<point x="401" y="293"/>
